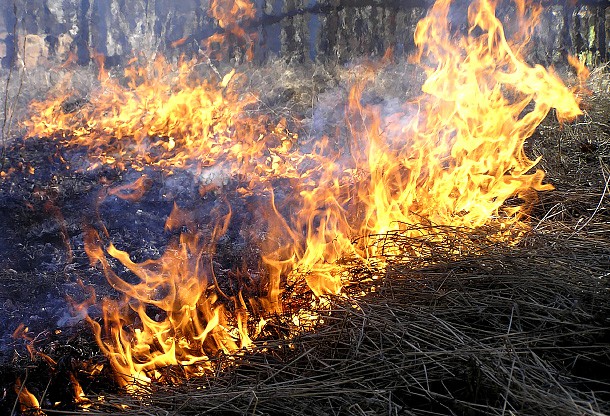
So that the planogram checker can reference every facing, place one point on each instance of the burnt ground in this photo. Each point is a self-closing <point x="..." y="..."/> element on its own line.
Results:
<point x="521" y="329"/>
<point x="47" y="202"/>
<point x="44" y="205"/>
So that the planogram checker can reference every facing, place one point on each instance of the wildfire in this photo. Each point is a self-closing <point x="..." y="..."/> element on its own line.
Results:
<point x="455" y="155"/>
<point x="451" y="157"/>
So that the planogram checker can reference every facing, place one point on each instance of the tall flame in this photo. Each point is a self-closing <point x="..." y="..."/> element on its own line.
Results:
<point x="455" y="155"/>
<point x="451" y="157"/>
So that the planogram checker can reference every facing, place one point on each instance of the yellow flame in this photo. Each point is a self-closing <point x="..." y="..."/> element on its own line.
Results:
<point x="455" y="155"/>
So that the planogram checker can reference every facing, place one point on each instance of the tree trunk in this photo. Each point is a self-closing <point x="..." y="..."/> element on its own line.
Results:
<point x="46" y="32"/>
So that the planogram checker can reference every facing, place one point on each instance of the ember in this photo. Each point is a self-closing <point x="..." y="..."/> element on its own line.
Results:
<point x="282" y="219"/>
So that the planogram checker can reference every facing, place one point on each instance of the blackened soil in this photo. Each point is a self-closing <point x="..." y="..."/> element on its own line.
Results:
<point x="49" y="196"/>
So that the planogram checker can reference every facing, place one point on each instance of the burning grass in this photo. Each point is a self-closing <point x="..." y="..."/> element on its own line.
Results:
<point x="384" y="267"/>
<point x="522" y="329"/>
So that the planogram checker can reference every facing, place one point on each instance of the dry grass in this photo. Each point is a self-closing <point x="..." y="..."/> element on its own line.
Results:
<point x="521" y="331"/>
<point x="497" y="330"/>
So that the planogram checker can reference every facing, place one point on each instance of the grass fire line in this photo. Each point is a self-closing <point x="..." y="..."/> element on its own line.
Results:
<point x="452" y="157"/>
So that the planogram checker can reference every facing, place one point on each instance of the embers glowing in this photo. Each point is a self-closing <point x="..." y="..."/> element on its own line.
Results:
<point x="451" y="157"/>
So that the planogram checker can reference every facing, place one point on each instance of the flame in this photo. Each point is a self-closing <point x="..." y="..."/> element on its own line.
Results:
<point x="451" y="157"/>
<point x="231" y="16"/>
<point x="129" y="125"/>
<point x="132" y="191"/>
<point x="79" y="395"/>
<point x="174" y="315"/>
<point x="27" y="401"/>
<point x="455" y="154"/>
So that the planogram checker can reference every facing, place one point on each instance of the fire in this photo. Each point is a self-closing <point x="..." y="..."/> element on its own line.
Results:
<point x="451" y="157"/>
<point x="148" y="118"/>
<point x="180" y="316"/>
<point x="27" y="401"/>
<point x="455" y="155"/>
<point x="231" y="14"/>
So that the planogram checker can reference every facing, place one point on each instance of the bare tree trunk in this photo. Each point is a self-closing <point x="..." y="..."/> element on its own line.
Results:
<point x="297" y="30"/>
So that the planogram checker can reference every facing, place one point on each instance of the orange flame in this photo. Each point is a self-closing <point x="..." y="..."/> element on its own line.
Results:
<point x="230" y="15"/>
<point x="452" y="157"/>
<point x="133" y="191"/>
<point x="455" y="155"/>
<point x="27" y="401"/>
<point x="160" y="113"/>
<point x="174" y="315"/>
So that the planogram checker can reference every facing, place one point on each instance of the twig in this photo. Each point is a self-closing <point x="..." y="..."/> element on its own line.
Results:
<point x="21" y="387"/>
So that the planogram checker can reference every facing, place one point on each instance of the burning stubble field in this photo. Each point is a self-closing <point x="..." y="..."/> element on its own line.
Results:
<point x="420" y="237"/>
